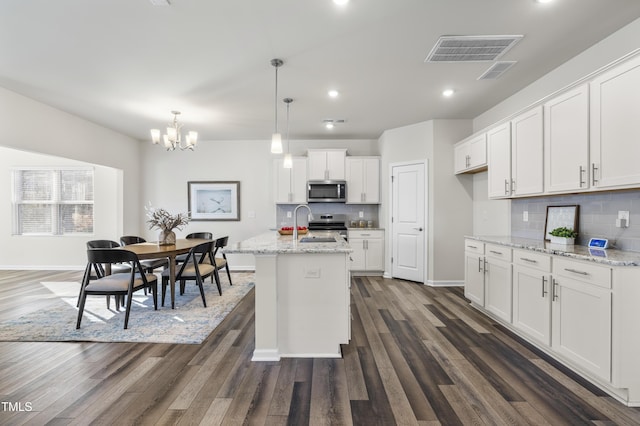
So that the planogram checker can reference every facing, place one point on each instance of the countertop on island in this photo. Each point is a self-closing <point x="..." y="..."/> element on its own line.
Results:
<point x="274" y="243"/>
<point x="612" y="257"/>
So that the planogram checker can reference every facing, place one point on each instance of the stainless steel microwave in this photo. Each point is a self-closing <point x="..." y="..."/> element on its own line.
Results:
<point x="327" y="191"/>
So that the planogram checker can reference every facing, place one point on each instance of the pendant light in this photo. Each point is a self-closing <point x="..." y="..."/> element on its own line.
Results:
<point x="288" y="161"/>
<point x="276" y="138"/>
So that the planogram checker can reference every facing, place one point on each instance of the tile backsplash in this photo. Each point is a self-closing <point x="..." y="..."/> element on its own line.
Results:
<point x="597" y="218"/>
<point x="351" y="211"/>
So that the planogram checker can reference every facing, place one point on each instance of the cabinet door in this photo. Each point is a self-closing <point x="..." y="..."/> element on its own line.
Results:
<point x="299" y="180"/>
<point x="566" y="141"/>
<point x="335" y="164"/>
<point x="581" y="324"/>
<point x="461" y="157"/>
<point x="371" y="178"/>
<point x="358" y="255"/>
<point x="615" y="128"/>
<point x="497" y="294"/>
<point x="474" y="278"/>
<point x="478" y="151"/>
<point x="317" y="165"/>
<point x="532" y="303"/>
<point x="499" y="146"/>
<point x="355" y="181"/>
<point x="526" y="153"/>
<point x="375" y="254"/>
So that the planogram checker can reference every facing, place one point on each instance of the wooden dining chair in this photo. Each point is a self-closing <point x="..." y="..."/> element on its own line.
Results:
<point x="221" y="262"/>
<point x="204" y="235"/>
<point x="99" y="269"/>
<point x="122" y="284"/>
<point x="194" y="268"/>
<point x="149" y="265"/>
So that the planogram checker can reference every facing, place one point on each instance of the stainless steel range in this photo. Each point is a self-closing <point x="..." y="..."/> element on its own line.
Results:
<point x="329" y="222"/>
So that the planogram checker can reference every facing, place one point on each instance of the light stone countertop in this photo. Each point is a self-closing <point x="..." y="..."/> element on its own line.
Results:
<point x="274" y="243"/>
<point x="611" y="257"/>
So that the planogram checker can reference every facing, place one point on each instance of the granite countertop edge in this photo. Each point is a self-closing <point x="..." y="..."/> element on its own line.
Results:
<point x="611" y="257"/>
<point x="274" y="243"/>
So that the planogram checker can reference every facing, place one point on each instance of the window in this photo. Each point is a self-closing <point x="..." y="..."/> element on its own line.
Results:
<point x="52" y="201"/>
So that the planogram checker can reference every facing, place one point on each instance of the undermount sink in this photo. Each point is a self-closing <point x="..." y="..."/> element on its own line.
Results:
<point x="317" y="240"/>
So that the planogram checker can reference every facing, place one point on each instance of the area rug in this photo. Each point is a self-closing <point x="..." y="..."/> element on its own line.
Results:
<point x="190" y="322"/>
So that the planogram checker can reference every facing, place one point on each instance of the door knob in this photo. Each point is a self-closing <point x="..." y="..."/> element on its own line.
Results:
<point x="418" y="229"/>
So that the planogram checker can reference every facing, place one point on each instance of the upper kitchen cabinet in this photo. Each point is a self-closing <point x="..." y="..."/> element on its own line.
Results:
<point x="499" y="148"/>
<point x="363" y="180"/>
<point x="527" y="172"/>
<point x="566" y="141"/>
<point x="290" y="184"/>
<point x="615" y="128"/>
<point x="470" y="155"/>
<point x="326" y="164"/>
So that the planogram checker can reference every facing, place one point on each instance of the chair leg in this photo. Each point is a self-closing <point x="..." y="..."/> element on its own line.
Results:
<point x="81" y="309"/>
<point x="217" y="278"/>
<point x="126" y="314"/>
<point x="154" y="289"/>
<point x="226" y="266"/>
<point x="165" y="280"/>
<point x="199" y="282"/>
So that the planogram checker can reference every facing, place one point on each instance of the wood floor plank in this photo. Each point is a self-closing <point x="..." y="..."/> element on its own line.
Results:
<point x="418" y="355"/>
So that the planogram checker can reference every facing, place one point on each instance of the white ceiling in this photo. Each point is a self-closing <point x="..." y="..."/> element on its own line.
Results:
<point x="126" y="64"/>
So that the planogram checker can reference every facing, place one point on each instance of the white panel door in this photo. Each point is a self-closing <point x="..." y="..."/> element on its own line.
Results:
<point x="408" y="222"/>
<point x="532" y="303"/>
<point x="527" y="171"/>
<point x="499" y="147"/>
<point x="497" y="288"/>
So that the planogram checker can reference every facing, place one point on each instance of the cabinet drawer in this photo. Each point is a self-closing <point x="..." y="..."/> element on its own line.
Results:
<point x="366" y="234"/>
<point x="498" y="252"/>
<point x="531" y="259"/>
<point x="582" y="271"/>
<point x="474" y="246"/>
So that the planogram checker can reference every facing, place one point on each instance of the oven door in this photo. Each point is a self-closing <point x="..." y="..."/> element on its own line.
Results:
<point x="327" y="191"/>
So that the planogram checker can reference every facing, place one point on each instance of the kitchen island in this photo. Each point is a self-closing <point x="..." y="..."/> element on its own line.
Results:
<point x="302" y="294"/>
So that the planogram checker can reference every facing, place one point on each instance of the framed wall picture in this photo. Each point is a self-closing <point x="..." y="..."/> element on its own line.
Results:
<point x="561" y="216"/>
<point x="214" y="200"/>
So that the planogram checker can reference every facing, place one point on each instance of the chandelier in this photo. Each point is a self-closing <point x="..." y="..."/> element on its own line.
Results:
<point x="173" y="138"/>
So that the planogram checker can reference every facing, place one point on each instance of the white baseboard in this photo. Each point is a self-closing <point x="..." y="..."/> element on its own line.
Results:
<point x="444" y="283"/>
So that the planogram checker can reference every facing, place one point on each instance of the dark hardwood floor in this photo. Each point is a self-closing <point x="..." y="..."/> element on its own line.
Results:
<point x="418" y="355"/>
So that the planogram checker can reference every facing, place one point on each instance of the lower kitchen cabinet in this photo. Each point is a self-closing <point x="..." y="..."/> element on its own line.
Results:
<point x="368" y="250"/>
<point x="497" y="286"/>
<point x="474" y="271"/>
<point x="532" y="295"/>
<point x="581" y="315"/>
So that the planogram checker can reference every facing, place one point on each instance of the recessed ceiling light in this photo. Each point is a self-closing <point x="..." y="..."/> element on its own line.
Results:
<point x="341" y="2"/>
<point x="333" y="93"/>
<point x="544" y="1"/>
<point x="448" y="93"/>
<point x="329" y="125"/>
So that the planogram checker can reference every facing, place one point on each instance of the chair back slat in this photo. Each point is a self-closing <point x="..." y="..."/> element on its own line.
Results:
<point x="131" y="239"/>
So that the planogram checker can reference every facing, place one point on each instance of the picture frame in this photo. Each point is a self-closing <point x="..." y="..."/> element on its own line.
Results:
<point x="561" y="216"/>
<point x="214" y="200"/>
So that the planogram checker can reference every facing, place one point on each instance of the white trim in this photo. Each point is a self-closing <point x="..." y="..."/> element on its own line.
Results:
<point x="265" y="355"/>
<point x="445" y="283"/>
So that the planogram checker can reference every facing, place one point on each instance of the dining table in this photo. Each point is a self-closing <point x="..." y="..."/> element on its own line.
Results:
<point x="153" y="250"/>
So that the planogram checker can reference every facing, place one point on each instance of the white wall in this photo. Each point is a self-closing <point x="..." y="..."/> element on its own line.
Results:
<point x="165" y="176"/>
<point x="449" y="198"/>
<point x="31" y="126"/>
<point x="56" y="252"/>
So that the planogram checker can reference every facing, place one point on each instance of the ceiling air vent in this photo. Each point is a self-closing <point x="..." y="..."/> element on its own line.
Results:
<point x="471" y="48"/>
<point x="496" y="70"/>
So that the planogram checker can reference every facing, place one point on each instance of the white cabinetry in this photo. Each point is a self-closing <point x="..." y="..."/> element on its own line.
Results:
<point x="499" y="147"/>
<point x="581" y="315"/>
<point x="363" y="180"/>
<point x="532" y="295"/>
<point x="497" y="285"/>
<point x="326" y="164"/>
<point x="368" y="250"/>
<point x="527" y="176"/>
<point x="470" y="154"/>
<point x="615" y="128"/>
<point x="566" y="141"/>
<point x="290" y="184"/>
<point x="474" y="271"/>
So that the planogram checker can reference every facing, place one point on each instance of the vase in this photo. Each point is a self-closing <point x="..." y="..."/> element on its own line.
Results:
<point x="167" y="238"/>
<point x="562" y="240"/>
